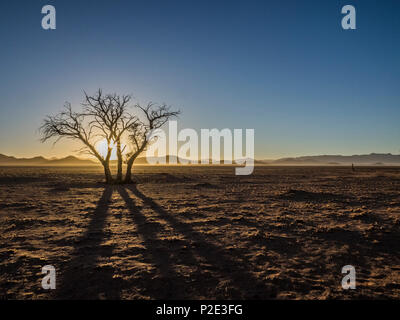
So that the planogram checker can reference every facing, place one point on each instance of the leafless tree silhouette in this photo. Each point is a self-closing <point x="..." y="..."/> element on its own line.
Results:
<point x="108" y="117"/>
<point x="109" y="114"/>
<point x="155" y="117"/>
<point x="72" y="125"/>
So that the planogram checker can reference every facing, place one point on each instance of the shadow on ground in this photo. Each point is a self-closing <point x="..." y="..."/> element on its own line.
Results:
<point x="214" y="271"/>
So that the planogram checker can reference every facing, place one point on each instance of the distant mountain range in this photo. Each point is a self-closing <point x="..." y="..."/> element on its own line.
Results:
<point x="366" y="159"/>
<point x="41" y="161"/>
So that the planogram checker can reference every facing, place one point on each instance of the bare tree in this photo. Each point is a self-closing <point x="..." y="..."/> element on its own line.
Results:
<point x="72" y="125"/>
<point x="107" y="116"/>
<point x="110" y="115"/>
<point x="155" y="116"/>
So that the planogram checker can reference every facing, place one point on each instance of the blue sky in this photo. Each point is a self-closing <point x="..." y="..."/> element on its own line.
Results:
<point x="285" y="68"/>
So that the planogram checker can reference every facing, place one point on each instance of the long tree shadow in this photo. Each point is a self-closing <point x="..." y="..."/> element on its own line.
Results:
<point x="83" y="277"/>
<point x="167" y="282"/>
<point x="232" y="271"/>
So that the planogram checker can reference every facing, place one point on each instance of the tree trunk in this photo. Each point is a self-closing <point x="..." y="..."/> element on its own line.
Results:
<point x="128" y="174"/>
<point x="107" y="172"/>
<point x="119" y="156"/>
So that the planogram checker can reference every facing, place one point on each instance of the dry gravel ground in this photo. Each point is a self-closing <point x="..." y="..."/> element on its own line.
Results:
<point x="200" y="233"/>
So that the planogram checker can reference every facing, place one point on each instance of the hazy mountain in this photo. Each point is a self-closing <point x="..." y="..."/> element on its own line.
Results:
<point x="71" y="160"/>
<point x="365" y="159"/>
<point x="41" y="161"/>
<point x="377" y="159"/>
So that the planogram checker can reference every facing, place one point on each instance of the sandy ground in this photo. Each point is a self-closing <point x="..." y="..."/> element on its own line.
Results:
<point x="200" y="233"/>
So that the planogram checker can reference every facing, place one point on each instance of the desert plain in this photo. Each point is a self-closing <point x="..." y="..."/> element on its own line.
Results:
<point x="200" y="232"/>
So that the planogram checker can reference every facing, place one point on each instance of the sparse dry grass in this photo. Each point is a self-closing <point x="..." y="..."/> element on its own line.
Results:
<point x="200" y="233"/>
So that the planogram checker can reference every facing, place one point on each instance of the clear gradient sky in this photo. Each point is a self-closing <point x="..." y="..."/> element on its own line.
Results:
<point x="285" y="68"/>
